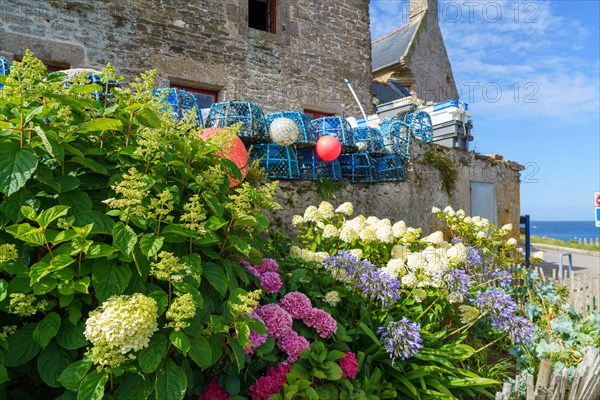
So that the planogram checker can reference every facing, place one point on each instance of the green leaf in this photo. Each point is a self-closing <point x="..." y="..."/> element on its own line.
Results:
<point x="70" y="336"/>
<point x="51" y="363"/>
<point x="201" y="352"/>
<point x="181" y="341"/>
<point x="243" y="333"/>
<point x="214" y="223"/>
<point x="258" y="327"/>
<point x="21" y="347"/>
<point x="124" y="237"/>
<point x="73" y="374"/>
<point x="3" y="289"/>
<point x="171" y="382"/>
<point x="56" y="77"/>
<point x="100" y="124"/>
<point x="102" y="223"/>
<point x="239" y="354"/>
<point x="148" y="117"/>
<point x="53" y="213"/>
<point x="46" y="329"/>
<point x="109" y="278"/>
<point x="232" y="169"/>
<point x="240" y="245"/>
<point x="17" y="165"/>
<point x="369" y="333"/>
<point x="216" y="277"/>
<point x="134" y="387"/>
<point x="333" y="371"/>
<point x="99" y="250"/>
<point x="151" y="244"/>
<point x="335" y="355"/>
<point x="174" y="233"/>
<point x="92" y="386"/>
<point x="151" y="356"/>
<point x="213" y="204"/>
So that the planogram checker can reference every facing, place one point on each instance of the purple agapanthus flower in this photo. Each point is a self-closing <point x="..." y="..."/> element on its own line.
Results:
<point x="365" y="277"/>
<point x="457" y="284"/>
<point x="401" y="339"/>
<point x="504" y="277"/>
<point x="473" y="256"/>
<point x="500" y="309"/>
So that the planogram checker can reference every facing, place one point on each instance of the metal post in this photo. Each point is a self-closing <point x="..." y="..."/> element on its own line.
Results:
<point x="356" y="99"/>
<point x="525" y="221"/>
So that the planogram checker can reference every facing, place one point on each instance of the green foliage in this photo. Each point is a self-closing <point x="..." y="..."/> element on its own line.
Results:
<point x="437" y="159"/>
<point x="106" y="201"/>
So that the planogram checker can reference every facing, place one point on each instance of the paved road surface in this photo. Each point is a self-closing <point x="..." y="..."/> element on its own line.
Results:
<point x="582" y="263"/>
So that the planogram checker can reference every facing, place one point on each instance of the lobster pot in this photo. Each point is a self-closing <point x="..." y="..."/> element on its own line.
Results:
<point x="420" y="125"/>
<point x="313" y="168"/>
<point x="183" y="104"/>
<point x="358" y="167"/>
<point x="4" y="67"/>
<point x="390" y="168"/>
<point x="368" y="140"/>
<point x="280" y="162"/>
<point x="307" y="132"/>
<point x="227" y="113"/>
<point x="396" y="137"/>
<point x="100" y="95"/>
<point x="338" y="127"/>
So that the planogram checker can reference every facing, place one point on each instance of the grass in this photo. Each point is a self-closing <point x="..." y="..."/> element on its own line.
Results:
<point x="555" y="242"/>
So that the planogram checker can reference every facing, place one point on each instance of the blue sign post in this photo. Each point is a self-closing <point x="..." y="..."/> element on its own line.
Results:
<point x="597" y="217"/>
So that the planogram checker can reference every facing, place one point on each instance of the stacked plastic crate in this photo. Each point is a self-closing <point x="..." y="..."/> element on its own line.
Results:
<point x="452" y="123"/>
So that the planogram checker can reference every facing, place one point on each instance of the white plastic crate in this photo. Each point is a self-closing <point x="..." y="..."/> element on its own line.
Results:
<point x="448" y="114"/>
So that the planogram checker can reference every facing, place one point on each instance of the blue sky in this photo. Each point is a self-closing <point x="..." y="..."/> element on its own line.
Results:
<point x="534" y="69"/>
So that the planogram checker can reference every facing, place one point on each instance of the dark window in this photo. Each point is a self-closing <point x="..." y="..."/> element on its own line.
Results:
<point x="50" y="66"/>
<point x="262" y="14"/>
<point x="316" y="114"/>
<point x="204" y="98"/>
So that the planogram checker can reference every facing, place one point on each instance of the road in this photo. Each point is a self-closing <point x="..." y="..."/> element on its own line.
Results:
<point x="582" y="263"/>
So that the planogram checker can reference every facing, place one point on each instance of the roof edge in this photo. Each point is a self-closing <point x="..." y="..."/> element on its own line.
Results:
<point x="410" y="43"/>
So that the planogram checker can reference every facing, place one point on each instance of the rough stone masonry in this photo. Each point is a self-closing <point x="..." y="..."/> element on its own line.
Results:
<point x="207" y="44"/>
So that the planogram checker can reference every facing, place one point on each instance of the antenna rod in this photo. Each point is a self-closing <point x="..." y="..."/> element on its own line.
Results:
<point x="356" y="99"/>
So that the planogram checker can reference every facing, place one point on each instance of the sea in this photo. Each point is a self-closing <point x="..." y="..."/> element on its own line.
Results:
<point x="565" y="230"/>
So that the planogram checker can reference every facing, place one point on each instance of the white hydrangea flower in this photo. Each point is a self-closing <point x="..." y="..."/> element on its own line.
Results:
<point x="399" y="229"/>
<point x="312" y="214"/>
<point x="411" y="234"/>
<point x="297" y="220"/>
<point x="435" y="210"/>
<point x="326" y="210"/>
<point x="448" y="209"/>
<point x="457" y="252"/>
<point x="320" y="256"/>
<point x="511" y="242"/>
<point x="394" y="268"/>
<point x="332" y="298"/>
<point x="330" y="231"/>
<point x="460" y="213"/>
<point x="358" y="223"/>
<point x="348" y="234"/>
<point x="409" y="280"/>
<point x="358" y="253"/>
<point x="399" y="252"/>
<point x="476" y="219"/>
<point x="368" y="234"/>
<point x="123" y="323"/>
<point x="372" y="221"/>
<point x="468" y="220"/>
<point x="416" y="261"/>
<point x="481" y="235"/>
<point x="295" y="252"/>
<point x="435" y="238"/>
<point x="345" y="208"/>
<point x="538" y="254"/>
<point x="507" y="227"/>
<point x="384" y="233"/>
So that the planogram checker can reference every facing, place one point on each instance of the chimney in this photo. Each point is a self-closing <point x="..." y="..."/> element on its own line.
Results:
<point x="420" y="8"/>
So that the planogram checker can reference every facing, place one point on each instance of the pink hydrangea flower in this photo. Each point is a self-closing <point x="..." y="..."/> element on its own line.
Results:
<point x="296" y="304"/>
<point x="349" y="365"/>
<point x="293" y="345"/>
<point x="214" y="391"/>
<point x="271" y="282"/>
<point x="323" y="323"/>
<point x="267" y="265"/>
<point x="277" y="321"/>
<point x="270" y="384"/>
<point x="256" y="339"/>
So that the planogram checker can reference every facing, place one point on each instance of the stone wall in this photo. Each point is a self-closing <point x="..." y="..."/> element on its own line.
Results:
<point x="413" y="199"/>
<point x="207" y="44"/>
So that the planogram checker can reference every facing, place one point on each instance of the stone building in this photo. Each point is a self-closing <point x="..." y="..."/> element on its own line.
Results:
<point x="280" y="54"/>
<point x="415" y="56"/>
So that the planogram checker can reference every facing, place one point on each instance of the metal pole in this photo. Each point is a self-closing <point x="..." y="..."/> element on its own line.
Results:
<point x="356" y="99"/>
<point x="525" y="221"/>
